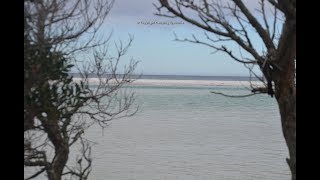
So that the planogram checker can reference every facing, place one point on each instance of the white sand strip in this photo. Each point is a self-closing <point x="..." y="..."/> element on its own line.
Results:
<point x="162" y="82"/>
<point x="155" y="82"/>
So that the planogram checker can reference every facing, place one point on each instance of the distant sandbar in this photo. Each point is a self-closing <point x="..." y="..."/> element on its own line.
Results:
<point x="162" y="82"/>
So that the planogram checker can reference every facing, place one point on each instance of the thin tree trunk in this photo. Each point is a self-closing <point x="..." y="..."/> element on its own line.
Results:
<point x="60" y="144"/>
<point x="61" y="157"/>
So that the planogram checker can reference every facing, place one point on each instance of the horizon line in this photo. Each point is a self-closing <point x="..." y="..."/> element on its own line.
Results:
<point x="179" y="75"/>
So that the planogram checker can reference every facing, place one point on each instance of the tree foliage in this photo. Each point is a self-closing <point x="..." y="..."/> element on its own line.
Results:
<point x="57" y="108"/>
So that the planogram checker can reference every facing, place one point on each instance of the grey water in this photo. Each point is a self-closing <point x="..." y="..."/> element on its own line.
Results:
<point x="187" y="133"/>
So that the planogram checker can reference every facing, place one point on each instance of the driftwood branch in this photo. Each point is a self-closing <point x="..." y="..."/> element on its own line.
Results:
<point x="235" y="96"/>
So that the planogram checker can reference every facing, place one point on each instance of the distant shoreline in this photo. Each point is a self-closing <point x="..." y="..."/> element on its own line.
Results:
<point x="165" y="82"/>
<point x="183" y="77"/>
<point x="159" y="82"/>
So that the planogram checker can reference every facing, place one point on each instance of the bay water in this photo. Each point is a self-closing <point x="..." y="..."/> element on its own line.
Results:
<point x="189" y="133"/>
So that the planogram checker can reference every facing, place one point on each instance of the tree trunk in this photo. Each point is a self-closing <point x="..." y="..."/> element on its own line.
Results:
<point x="285" y="89"/>
<point x="286" y="98"/>
<point x="287" y="106"/>
<point x="61" y="157"/>
<point x="60" y="144"/>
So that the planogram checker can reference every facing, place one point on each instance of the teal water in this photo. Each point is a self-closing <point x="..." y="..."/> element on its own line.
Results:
<point x="188" y="133"/>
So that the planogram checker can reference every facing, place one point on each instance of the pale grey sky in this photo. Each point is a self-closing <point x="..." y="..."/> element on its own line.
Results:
<point x="154" y="47"/>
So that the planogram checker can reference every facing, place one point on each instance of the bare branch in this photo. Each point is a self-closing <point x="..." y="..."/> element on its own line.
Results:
<point x="234" y="96"/>
<point x="36" y="174"/>
<point x="179" y="13"/>
<point x="254" y="22"/>
<point x="222" y="48"/>
<point x="275" y="4"/>
<point x="85" y="159"/>
<point x="244" y="30"/>
<point x="264" y="16"/>
<point x="274" y="23"/>
<point x="219" y="19"/>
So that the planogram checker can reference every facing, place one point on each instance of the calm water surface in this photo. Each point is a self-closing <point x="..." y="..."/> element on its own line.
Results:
<point x="189" y="134"/>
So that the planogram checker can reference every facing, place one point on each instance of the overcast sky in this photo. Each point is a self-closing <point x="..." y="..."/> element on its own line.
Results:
<point x="154" y="45"/>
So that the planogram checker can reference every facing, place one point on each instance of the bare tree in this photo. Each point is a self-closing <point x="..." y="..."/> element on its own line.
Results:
<point x="58" y="108"/>
<point x="232" y="21"/>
